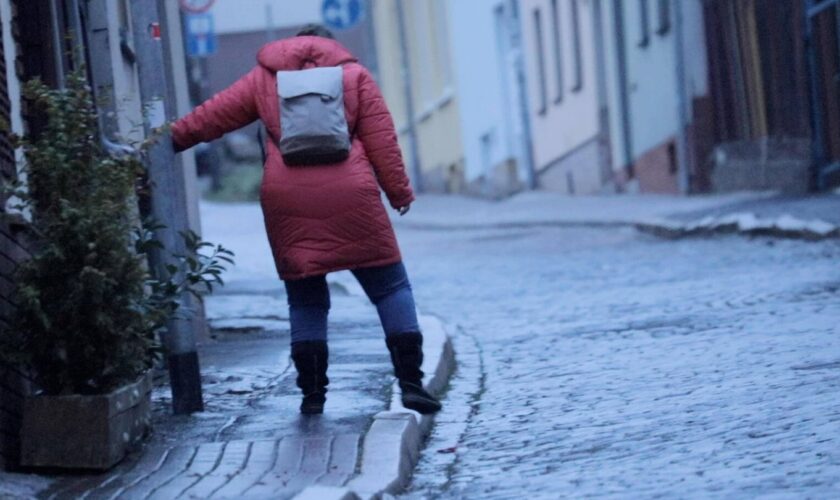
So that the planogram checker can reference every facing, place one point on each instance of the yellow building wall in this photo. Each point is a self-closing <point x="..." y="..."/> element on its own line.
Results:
<point x="434" y="98"/>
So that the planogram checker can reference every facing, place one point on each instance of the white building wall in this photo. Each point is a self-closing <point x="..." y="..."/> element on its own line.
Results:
<point x="694" y="49"/>
<point x="565" y="115"/>
<point x="651" y="80"/>
<point x="651" y="75"/>
<point x="483" y="72"/>
<point x="126" y="84"/>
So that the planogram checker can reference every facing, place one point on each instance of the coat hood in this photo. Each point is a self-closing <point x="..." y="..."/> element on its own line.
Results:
<point x="302" y="52"/>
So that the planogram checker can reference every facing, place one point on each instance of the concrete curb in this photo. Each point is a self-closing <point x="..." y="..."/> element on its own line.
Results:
<point x="326" y="493"/>
<point x="744" y="224"/>
<point x="392" y="445"/>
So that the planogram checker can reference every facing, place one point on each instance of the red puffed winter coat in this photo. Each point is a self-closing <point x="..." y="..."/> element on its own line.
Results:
<point x="320" y="218"/>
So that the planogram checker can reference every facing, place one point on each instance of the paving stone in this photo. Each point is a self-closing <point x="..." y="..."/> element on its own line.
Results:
<point x="343" y="457"/>
<point x="233" y="459"/>
<point x="176" y="462"/>
<point x="313" y="465"/>
<point x="615" y="364"/>
<point x="205" y="460"/>
<point x="259" y="462"/>
<point x="286" y="465"/>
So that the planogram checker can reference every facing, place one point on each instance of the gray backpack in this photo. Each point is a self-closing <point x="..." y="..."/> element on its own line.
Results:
<point x="313" y="127"/>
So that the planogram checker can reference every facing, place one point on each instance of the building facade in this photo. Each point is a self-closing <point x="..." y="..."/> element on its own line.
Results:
<point x="40" y="39"/>
<point x="417" y="79"/>
<point x="489" y="81"/>
<point x="241" y="32"/>
<point x="564" y="67"/>
<point x="13" y="248"/>
<point x="823" y="35"/>
<point x="774" y="68"/>
<point x="658" y="96"/>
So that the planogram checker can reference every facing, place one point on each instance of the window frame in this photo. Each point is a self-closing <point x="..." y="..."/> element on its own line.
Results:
<point x="557" y="44"/>
<point x="664" y="17"/>
<point x="644" y="24"/>
<point x="538" y="33"/>
<point x="577" y="49"/>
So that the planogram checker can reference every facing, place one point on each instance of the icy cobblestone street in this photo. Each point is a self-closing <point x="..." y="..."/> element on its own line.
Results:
<point x="603" y="362"/>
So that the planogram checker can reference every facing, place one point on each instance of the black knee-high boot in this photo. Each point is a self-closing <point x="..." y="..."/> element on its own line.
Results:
<point x="407" y="356"/>
<point x="310" y="358"/>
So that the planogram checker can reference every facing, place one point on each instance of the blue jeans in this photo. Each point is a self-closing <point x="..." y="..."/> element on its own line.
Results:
<point x="386" y="286"/>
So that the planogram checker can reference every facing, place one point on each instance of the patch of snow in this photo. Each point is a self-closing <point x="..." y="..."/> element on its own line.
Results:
<point x="22" y="486"/>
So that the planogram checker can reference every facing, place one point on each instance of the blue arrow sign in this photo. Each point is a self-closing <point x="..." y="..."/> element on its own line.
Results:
<point x="201" y="35"/>
<point x="342" y="14"/>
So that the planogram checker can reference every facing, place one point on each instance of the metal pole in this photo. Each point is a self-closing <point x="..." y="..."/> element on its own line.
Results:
<point x="414" y="150"/>
<point x="270" y="28"/>
<point x="168" y="201"/>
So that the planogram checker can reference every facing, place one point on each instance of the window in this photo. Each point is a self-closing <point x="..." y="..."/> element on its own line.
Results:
<point x="578" y="81"/>
<point x="664" y="12"/>
<point x="644" y="24"/>
<point x="558" y="51"/>
<point x="538" y="34"/>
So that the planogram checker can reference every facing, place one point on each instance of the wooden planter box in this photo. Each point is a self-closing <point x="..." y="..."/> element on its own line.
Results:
<point x="85" y="432"/>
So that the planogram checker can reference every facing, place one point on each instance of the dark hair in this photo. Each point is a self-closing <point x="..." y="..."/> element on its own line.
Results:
<point x="316" y="30"/>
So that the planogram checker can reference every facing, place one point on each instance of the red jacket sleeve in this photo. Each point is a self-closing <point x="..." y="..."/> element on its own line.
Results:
<point x="375" y="128"/>
<point x="226" y="111"/>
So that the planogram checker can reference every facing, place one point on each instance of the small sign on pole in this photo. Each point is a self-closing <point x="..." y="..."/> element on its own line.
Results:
<point x="201" y="35"/>
<point x="342" y="14"/>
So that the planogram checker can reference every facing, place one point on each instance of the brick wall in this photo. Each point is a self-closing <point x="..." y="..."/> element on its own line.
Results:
<point x="13" y="385"/>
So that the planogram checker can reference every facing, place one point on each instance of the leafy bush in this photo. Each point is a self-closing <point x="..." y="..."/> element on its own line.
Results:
<point x="241" y="182"/>
<point x="89" y="311"/>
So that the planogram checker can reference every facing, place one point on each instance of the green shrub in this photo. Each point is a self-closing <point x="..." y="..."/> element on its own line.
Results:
<point x="88" y="310"/>
<point x="240" y="183"/>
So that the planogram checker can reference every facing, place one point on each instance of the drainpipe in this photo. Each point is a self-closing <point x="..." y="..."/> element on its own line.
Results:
<point x="684" y="168"/>
<point x="405" y="71"/>
<point x="78" y="33"/>
<point x="91" y="46"/>
<point x="604" y="145"/>
<point x="58" y="53"/>
<point x="527" y="144"/>
<point x="624" y="96"/>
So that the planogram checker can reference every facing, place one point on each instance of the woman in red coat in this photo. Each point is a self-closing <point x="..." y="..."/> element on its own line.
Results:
<point x="325" y="218"/>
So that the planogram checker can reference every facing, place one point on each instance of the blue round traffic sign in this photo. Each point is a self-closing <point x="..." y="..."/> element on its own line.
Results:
<point x="342" y="14"/>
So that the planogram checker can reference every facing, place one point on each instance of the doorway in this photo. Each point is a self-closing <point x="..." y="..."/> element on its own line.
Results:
<point x="823" y="20"/>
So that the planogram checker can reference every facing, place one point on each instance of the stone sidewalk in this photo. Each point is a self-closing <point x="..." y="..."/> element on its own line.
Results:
<point x="766" y="213"/>
<point x="251" y="442"/>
